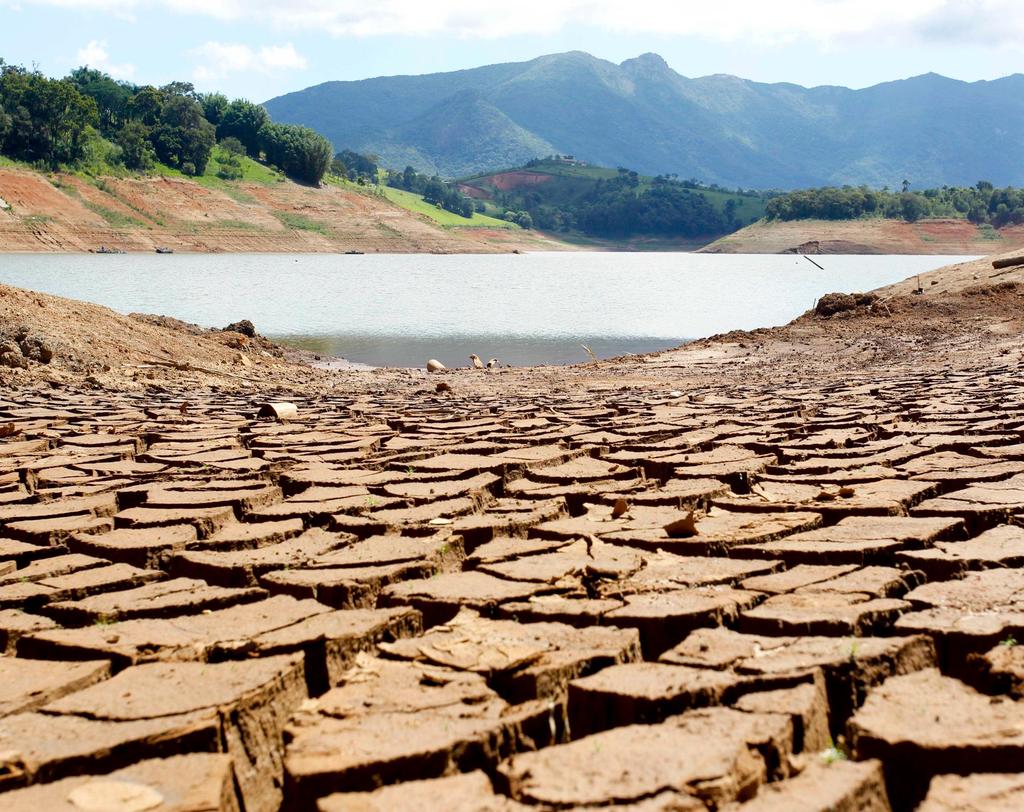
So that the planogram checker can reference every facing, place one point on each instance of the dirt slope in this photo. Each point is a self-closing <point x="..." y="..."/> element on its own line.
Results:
<point x="67" y="213"/>
<point x="111" y="350"/>
<point x="868" y="237"/>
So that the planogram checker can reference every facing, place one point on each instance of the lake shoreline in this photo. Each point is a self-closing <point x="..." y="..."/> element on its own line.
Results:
<point x="868" y="236"/>
<point x="400" y="310"/>
<point x="109" y="350"/>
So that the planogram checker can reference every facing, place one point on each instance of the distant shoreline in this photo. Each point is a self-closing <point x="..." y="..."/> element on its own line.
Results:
<point x="868" y="236"/>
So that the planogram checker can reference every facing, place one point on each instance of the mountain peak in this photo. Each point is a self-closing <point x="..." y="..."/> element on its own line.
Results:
<point x="649" y="58"/>
<point x="648" y="64"/>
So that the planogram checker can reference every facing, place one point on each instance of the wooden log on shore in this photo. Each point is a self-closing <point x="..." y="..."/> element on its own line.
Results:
<point x="1008" y="262"/>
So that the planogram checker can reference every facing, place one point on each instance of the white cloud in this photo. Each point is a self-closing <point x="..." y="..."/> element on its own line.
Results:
<point x="218" y="59"/>
<point x="824" y="22"/>
<point x="95" y="55"/>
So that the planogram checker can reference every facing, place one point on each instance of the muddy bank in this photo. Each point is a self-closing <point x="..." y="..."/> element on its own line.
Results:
<point x="954" y="237"/>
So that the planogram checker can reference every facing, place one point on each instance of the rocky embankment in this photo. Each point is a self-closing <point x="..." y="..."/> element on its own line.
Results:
<point x="871" y="236"/>
<point x="772" y="570"/>
<point x="63" y="212"/>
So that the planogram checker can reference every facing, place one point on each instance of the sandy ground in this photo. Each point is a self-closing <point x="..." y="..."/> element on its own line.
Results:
<point x="66" y="213"/>
<point x="956" y="237"/>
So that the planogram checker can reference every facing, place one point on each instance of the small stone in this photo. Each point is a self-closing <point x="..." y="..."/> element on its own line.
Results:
<point x="245" y="327"/>
<point x="35" y="348"/>
<point x="115" y="796"/>
<point x="14" y="360"/>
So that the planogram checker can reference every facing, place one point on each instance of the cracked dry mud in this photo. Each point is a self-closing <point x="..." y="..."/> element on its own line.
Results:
<point x="789" y="590"/>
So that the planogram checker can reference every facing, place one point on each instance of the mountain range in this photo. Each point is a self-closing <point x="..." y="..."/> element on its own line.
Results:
<point x="641" y="114"/>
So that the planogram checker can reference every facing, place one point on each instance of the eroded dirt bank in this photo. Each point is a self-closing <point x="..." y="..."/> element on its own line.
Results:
<point x="67" y="213"/>
<point x="956" y="237"/>
<point x="772" y="570"/>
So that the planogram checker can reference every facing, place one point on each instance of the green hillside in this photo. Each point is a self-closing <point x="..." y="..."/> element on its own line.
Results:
<point x="931" y="130"/>
<point x="570" y="181"/>
<point x="416" y="203"/>
<point x="562" y="194"/>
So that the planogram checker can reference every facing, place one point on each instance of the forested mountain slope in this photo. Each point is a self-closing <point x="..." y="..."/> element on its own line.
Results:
<point x="645" y="116"/>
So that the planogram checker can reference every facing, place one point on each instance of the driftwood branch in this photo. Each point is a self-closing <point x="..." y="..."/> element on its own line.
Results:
<point x="1008" y="262"/>
<point x="186" y="367"/>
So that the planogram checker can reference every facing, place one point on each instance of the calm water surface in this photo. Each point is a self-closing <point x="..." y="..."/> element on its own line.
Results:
<point x="399" y="310"/>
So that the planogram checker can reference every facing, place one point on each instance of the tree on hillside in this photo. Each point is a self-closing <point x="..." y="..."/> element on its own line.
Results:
<point x="50" y="118"/>
<point x="300" y="152"/>
<point x="232" y="145"/>
<point x="146" y="105"/>
<point x="912" y="207"/>
<point x="243" y="120"/>
<point x="184" y="89"/>
<point x="184" y="138"/>
<point x="5" y="124"/>
<point x="136" y="151"/>
<point x="409" y="178"/>
<point x="358" y="166"/>
<point x="214" y="107"/>
<point x="112" y="97"/>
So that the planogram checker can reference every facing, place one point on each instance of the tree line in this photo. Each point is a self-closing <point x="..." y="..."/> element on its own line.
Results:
<point x="980" y="204"/>
<point x="623" y="206"/>
<point x="53" y="123"/>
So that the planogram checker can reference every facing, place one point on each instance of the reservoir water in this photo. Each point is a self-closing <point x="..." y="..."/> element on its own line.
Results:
<point x="401" y="309"/>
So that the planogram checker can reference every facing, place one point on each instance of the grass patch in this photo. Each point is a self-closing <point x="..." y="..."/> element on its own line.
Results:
<point x="987" y="232"/>
<point x="114" y="218"/>
<point x="415" y="203"/>
<point x="252" y="172"/>
<point x="239" y="195"/>
<point x="67" y="188"/>
<point x="107" y="188"/>
<point x="235" y="225"/>
<point x="300" y="222"/>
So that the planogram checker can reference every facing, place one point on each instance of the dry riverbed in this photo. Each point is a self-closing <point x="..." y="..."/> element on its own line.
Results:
<point x="765" y="571"/>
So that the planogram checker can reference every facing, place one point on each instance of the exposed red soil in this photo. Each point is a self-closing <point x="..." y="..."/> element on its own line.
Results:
<point x="506" y="181"/>
<point x="52" y="213"/>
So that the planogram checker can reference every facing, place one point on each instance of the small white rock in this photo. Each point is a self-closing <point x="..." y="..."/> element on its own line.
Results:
<point x="115" y="796"/>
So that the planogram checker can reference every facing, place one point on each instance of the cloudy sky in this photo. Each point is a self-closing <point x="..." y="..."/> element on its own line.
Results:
<point x="261" y="48"/>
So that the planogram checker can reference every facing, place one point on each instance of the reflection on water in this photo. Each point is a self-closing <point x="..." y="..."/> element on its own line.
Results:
<point x="401" y="309"/>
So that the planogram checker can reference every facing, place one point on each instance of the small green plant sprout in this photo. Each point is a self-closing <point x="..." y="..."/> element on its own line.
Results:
<point x="853" y="649"/>
<point x="371" y="502"/>
<point x="833" y="753"/>
<point x="1009" y="642"/>
<point x="103" y="620"/>
<point x="410" y="470"/>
